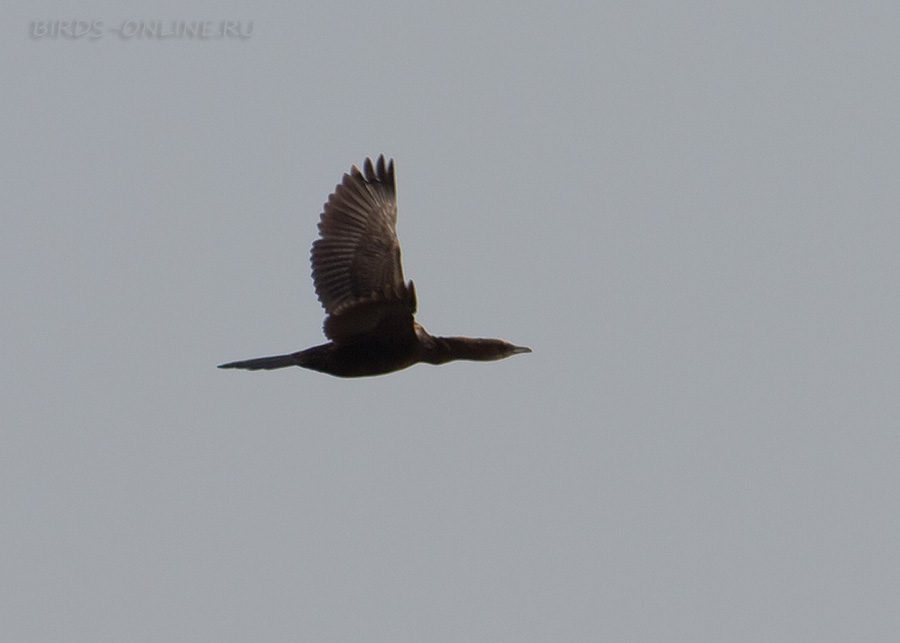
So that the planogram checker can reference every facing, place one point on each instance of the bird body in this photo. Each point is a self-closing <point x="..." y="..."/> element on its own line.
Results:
<point x="358" y="277"/>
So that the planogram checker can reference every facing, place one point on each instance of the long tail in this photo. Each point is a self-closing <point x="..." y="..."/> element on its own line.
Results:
<point x="266" y="363"/>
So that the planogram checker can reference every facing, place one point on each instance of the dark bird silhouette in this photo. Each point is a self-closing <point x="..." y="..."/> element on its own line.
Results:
<point x="359" y="280"/>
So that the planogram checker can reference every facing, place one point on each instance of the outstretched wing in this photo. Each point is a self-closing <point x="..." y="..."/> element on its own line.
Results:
<point x="356" y="261"/>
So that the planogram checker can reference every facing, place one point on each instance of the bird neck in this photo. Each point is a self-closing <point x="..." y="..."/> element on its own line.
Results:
<point x="439" y="350"/>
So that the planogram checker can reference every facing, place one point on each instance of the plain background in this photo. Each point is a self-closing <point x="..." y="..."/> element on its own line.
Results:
<point x="690" y="211"/>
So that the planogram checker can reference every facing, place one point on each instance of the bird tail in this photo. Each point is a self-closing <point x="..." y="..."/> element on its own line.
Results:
<point x="266" y="363"/>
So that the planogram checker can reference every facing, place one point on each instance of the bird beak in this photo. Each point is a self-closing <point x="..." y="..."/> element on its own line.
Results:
<point x="520" y="349"/>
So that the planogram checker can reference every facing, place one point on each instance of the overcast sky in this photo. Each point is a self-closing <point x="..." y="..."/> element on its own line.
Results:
<point x="690" y="211"/>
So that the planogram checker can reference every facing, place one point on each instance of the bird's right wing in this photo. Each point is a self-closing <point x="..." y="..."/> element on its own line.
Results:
<point x="357" y="256"/>
<point x="387" y="315"/>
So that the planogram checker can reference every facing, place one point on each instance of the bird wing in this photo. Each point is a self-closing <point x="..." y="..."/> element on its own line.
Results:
<point x="356" y="265"/>
<point x="387" y="316"/>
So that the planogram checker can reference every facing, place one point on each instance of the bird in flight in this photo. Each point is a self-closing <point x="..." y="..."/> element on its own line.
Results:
<point x="359" y="280"/>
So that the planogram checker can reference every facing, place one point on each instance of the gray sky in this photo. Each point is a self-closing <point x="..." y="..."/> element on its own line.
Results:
<point x="690" y="211"/>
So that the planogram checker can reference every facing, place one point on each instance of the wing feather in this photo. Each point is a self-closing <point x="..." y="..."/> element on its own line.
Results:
<point x="358" y="253"/>
<point x="356" y="264"/>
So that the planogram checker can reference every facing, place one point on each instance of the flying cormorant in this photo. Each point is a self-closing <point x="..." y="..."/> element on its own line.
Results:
<point x="359" y="280"/>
